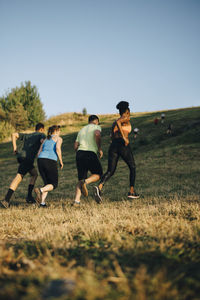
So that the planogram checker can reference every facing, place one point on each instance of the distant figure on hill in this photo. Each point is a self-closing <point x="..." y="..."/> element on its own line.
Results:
<point x="156" y="120"/>
<point x="162" y="118"/>
<point x="25" y="156"/>
<point x="135" y="131"/>
<point x="169" y="129"/>
<point x="49" y="153"/>
<point x="87" y="146"/>
<point x="120" y="147"/>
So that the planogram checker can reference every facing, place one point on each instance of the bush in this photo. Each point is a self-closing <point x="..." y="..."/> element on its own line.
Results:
<point x="22" y="106"/>
<point x="5" y="130"/>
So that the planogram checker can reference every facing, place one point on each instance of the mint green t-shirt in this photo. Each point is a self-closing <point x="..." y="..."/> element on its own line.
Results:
<point x="86" y="138"/>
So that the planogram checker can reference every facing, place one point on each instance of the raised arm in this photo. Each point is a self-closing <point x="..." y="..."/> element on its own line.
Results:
<point x="119" y="125"/>
<point x="97" y="135"/>
<point x="59" y="151"/>
<point x="14" y="137"/>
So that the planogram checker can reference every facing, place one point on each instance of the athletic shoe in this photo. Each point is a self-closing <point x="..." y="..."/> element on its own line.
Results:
<point x="30" y="200"/>
<point x="97" y="195"/>
<point x="76" y="204"/>
<point x="38" y="195"/>
<point x="43" y="205"/>
<point x="83" y="187"/>
<point x="5" y="204"/>
<point x="133" y="195"/>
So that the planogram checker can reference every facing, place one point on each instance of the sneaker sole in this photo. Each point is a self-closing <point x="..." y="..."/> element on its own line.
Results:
<point x="43" y="206"/>
<point x="84" y="189"/>
<point x="133" y="197"/>
<point x="97" y="196"/>
<point x="38" y="196"/>
<point x="75" y="204"/>
<point x="5" y="205"/>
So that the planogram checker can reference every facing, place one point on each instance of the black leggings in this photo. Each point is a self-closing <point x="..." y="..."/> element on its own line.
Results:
<point x="118" y="149"/>
<point x="48" y="171"/>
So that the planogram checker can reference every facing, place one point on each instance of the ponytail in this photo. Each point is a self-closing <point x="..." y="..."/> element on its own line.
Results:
<point x="51" y="130"/>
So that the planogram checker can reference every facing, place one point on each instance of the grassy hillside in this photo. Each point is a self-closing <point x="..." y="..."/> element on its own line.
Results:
<point x="140" y="249"/>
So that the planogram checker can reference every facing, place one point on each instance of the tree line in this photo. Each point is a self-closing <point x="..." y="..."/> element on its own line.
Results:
<point x="20" y="108"/>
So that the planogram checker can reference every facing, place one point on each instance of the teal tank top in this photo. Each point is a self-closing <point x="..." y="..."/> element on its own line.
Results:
<point x="49" y="150"/>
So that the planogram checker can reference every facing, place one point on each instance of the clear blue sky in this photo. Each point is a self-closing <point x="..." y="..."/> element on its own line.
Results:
<point x="94" y="53"/>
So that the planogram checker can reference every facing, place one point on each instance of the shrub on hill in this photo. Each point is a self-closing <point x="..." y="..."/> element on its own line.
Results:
<point x="20" y="109"/>
<point x="22" y="106"/>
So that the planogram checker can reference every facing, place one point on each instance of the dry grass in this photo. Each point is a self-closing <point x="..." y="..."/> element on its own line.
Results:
<point x="143" y="249"/>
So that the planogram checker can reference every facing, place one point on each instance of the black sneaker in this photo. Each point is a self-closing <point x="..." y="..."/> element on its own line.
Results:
<point x="5" y="204"/>
<point x="43" y="205"/>
<point x="97" y="195"/>
<point x="133" y="195"/>
<point x="30" y="200"/>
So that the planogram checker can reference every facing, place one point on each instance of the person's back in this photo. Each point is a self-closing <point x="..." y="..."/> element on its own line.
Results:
<point x="49" y="150"/>
<point x="31" y="144"/>
<point x="86" y="138"/>
<point x="87" y="145"/>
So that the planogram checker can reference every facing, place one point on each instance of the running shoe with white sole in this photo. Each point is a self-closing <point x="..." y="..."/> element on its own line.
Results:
<point x="76" y="204"/>
<point x="97" y="195"/>
<point x="43" y="205"/>
<point x="133" y="195"/>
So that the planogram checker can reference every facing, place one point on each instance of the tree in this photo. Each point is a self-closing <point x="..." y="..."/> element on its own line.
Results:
<point x="22" y="106"/>
<point x="84" y="111"/>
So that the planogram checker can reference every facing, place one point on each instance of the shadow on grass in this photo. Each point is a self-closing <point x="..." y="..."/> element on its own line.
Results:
<point x="180" y="264"/>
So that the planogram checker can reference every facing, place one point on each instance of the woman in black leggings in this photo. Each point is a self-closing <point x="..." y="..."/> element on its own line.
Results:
<point x="119" y="147"/>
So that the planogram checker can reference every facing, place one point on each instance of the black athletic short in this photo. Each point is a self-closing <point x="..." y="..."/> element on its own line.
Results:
<point x="87" y="161"/>
<point x="25" y="166"/>
<point x="49" y="171"/>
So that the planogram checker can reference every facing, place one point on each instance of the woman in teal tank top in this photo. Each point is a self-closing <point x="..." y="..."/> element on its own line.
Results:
<point x="49" y="153"/>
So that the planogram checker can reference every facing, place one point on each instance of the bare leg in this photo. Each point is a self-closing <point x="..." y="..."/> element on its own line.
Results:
<point x="78" y="193"/>
<point x="16" y="181"/>
<point x="13" y="186"/>
<point x="47" y="188"/>
<point x="92" y="178"/>
<point x="44" y="195"/>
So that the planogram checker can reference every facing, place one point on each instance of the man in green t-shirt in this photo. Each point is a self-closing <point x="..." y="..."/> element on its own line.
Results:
<point x="87" y="146"/>
<point x="28" y="149"/>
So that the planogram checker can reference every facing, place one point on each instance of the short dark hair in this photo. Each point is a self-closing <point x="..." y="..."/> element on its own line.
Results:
<point x="122" y="106"/>
<point x="92" y="118"/>
<point x="38" y="126"/>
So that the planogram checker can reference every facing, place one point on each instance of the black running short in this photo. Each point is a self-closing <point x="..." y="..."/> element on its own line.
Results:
<point x="87" y="161"/>
<point x="49" y="171"/>
<point x="25" y="166"/>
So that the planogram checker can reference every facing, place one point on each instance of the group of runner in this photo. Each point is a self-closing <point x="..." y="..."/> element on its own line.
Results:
<point x="88" y="154"/>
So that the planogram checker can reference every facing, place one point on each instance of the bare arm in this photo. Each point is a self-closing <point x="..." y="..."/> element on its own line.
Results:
<point x="59" y="152"/>
<point x="76" y="145"/>
<point x="42" y="142"/>
<point x="97" y="135"/>
<point x="15" y="136"/>
<point x="119" y="125"/>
